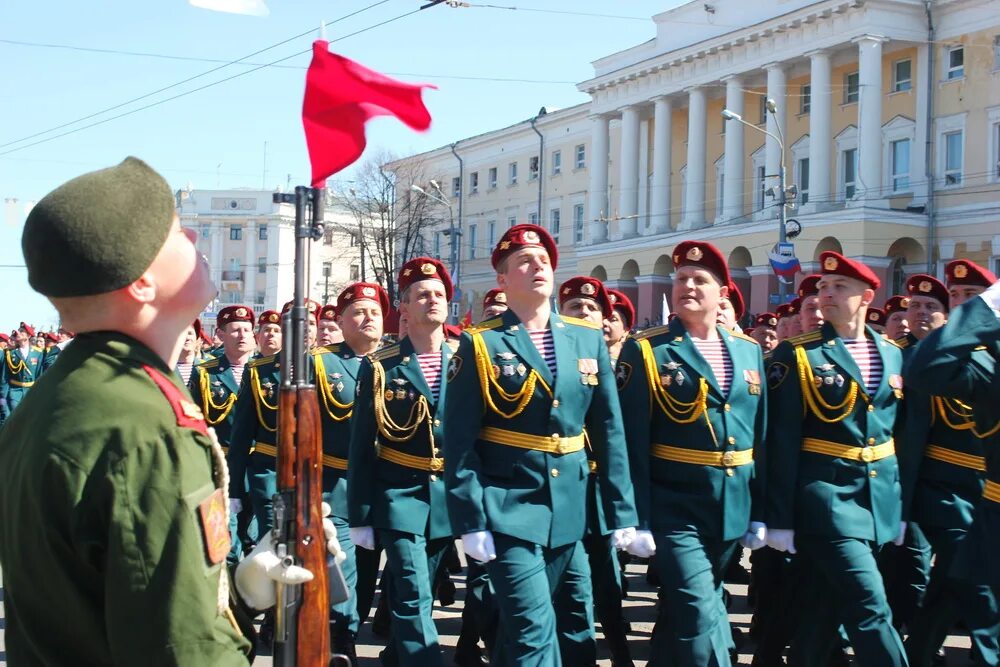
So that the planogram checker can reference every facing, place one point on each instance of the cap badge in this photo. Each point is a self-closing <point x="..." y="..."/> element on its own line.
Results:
<point x="830" y="264"/>
<point x="368" y="291"/>
<point x="273" y="317"/>
<point x="612" y="298"/>
<point x="873" y="316"/>
<point x="773" y="321"/>
<point x="501" y="297"/>
<point x="241" y="312"/>
<point x="925" y="286"/>
<point x="531" y="236"/>
<point x="695" y="254"/>
<point x="427" y="269"/>
<point x="904" y="302"/>
<point x="407" y="272"/>
<point x="504" y="245"/>
<point x="588" y="289"/>
<point x="961" y="271"/>
<point x="328" y="312"/>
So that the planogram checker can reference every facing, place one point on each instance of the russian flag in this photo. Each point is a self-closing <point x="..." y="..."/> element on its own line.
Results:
<point x="785" y="265"/>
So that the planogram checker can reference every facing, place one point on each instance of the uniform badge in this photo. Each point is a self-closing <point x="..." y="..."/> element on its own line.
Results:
<point x="896" y="382"/>
<point x="824" y="368"/>
<point x="522" y="369"/>
<point x="400" y="394"/>
<point x="389" y="395"/>
<point x="839" y="380"/>
<point x="454" y="366"/>
<point x="508" y="370"/>
<point x="592" y="380"/>
<point x="496" y="371"/>
<point x="666" y="380"/>
<point x="336" y="376"/>
<point x="961" y="271"/>
<point x="505" y="356"/>
<point x="828" y="380"/>
<point x="411" y="395"/>
<point x="671" y="366"/>
<point x="214" y="527"/>
<point x="587" y="289"/>
<point x="752" y="378"/>
<point x="679" y="378"/>
<point x="776" y="374"/>
<point x="587" y="365"/>
<point x="623" y="373"/>
<point x="339" y="387"/>
<point x="818" y="381"/>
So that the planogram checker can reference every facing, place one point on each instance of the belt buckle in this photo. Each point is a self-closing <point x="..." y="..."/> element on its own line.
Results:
<point x="436" y="465"/>
<point x="561" y="444"/>
<point x="868" y="454"/>
<point x="729" y="459"/>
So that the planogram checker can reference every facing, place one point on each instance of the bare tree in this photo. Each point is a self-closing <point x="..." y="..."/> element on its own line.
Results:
<point x="392" y="223"/>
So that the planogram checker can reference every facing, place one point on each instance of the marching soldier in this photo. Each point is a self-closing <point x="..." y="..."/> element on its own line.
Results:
<point x="329" y="330"/>
<point x="268" y="333"/>
<point x="618" y="324"/>
<point x="732" y="309"/>
<point x="786" y="316"/>
<point x="876" y="319"/>
<point x="694" y="411"/>
<point x="896" y="325"/>
<point x="810" y="314"/>
<point x="833" y="480"/>
<point x="396" y="461"/>
<point x="214" y="387"/>
<point x="189" y="355"/>
<point x="359" y="313"/>
<point x="764" y="331"/>
<point x="21" y="368"/>
<point x="521" y="390"/>
<point x="943" y="475"/>
<point x="494" y="303"/>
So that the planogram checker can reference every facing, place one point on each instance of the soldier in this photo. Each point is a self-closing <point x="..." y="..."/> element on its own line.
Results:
<point x="21" y="368"/>
<point x="113" y="503"/>
<point x="896" y="325"/>
<point x="810" y="314"/>
<point x="732" y="309"/>
<point x="694" y="409"/>
<point x="876" y="319"/>
<point x="833" y="490"/>
<point x="268" y="333"/>
<point x="359" y="319"/>
<point x="396" y="461"/>
<point x="521" y="389"/>
<point x="943" y="474"/>
<point x="619" y="323"/>
<point x="329" y="330"/>
<point x="764" y="331"/>
<point x="189" y="355"/>
<point x="494" y="303"/>
<point x="786" y="314"/>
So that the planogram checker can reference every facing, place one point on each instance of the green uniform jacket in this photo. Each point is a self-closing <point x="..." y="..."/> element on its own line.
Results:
<point x="337" y="369"/>
<point x="18" y="373"/>
<point x="255" y="417"/>
<point x="384" y="494"/>
<point x="524" y="493"/>
<point x="104" y="470"/>
<point x="49" y="357"/>
<point x="937" y="493"/>
<point x="670" y="495"/>
<point x="817" y="494"/>
<point x="214" y="390"/>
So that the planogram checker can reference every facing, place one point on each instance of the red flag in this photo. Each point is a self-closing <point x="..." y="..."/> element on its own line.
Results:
<point x="341" y="96"/>
<point x="467" y="320"/>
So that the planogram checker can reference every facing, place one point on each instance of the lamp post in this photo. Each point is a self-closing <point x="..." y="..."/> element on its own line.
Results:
<point x="453" y="233"/>
<point x="783" y="190"/>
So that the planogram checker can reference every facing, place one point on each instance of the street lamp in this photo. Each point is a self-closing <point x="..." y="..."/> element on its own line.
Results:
<point x="771" y="107"/>
<point x="452" y="232"/>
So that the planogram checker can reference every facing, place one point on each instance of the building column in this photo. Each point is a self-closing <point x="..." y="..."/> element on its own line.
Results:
<point x="250" y="263"/>
<point x="694" y="188"/>
<point x="643" y="204"/>
<point x="215" y="231"/>
<point x="820" y="128"/>
<point x="777" y="91"/>
<point x="762" y="285"/>
<point x="628" y="183"/>
<point x="735" y="156"/>
<point x="870" y="118"/>
<point x="599" y="179"/>
<point x="649" y="299"/>
<point x="660" y="197"/>
<point x="918" y="152"/>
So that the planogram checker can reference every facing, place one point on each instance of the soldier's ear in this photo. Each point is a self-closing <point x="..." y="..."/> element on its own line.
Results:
<point x="142" y="290"/>
<point x="867" y="296"/>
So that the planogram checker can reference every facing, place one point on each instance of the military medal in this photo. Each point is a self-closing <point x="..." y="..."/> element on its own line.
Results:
<point x="400" y="394"/>
<point x="339" y="386"/>
<point x="411" y="395"/>
<point x="496" y="371"/>
<point x="818" y="381"/>
<point x="388" y="394"/>
<point x="896" y="382"/>
<point x="839" y="380"/>
<point x="592" y="380"/>
<point x="671" y="366"/>
<point x="666" y="380"/>
<point x="508" y="370"/>
<point x="521" y="369"/>
<point x="679" y="379"/>
<point x="828" y="380"/>
<point x="506" y="356"/>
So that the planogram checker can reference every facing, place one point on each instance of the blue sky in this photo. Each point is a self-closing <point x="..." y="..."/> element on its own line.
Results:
<point x="215" y="137"/>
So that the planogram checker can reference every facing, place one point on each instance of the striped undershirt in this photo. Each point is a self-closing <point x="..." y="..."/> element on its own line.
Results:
<point x="184" y="370"/>
<point x="865" y="355"/>
<point x="430" y="366"/>
<point x="238" y="373"/>
<point x="543" y="343"/>
<point x="717" y="356"/>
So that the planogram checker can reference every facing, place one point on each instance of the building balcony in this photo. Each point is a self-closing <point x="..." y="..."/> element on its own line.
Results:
<point x="232" y="276"/>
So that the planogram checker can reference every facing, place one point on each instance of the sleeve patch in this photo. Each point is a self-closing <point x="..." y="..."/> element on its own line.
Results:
<point x="776" y="374"/>
<point x="623" y="373"/>
<point x="454" y="367"/>
<point x="214" y="527"/>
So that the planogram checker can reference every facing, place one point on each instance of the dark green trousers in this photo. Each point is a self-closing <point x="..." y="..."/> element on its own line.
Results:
<point x="906" y="570"/>
<point x="263" y="484"/>
<point x="526" y="578"/>
<point x="844" y="587"/>
<point x="692" y="626"/>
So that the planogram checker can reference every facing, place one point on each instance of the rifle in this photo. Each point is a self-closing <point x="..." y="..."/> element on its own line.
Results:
<point x="302" y="617"/>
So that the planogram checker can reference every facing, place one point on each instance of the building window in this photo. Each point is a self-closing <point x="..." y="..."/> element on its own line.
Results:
<point x="493" y="178"/>
<point x="205" y="231"/>
<point x="262" y="265"/>
<point x="720" y="184"/>
<point x="851" y="87"/>
<point x="491" y="227"/>
<point x="472" y="242"/>
<point x="802" y="174"/>
<point x="556" y="163"/>
<point x="955" y="63"/>
<point x="456" y="186"/>
<point x="763" y="109"/>
<point x="805" y="99"/>
<point x="232" y="296"/>
<point x="262" y="233"/>
<point x="850" y="172"/>
<point x="533" y="218"/>
<point x="953" y="149"/>
<point x="533" y="168"/>
<point x="581" y="157"/>
<point x="994" y="163"/>
<point x="355" y="273"/>
<point x="236" y="233"/>
<point x="511" y="221"/>
<point x="899" y="157"/>
<point x="474" y="182"/>
<point x="512" y="173"/>
<point x="578" y="223"/>
<point x="437" y="244"/>
<point x="555" y="216"/>
<point x="996" y="53"/>
<point x="328" y="236"/>
<point x="761" y="187"/>
<point x="902" y="78"/>
<point x="258" y="299"/>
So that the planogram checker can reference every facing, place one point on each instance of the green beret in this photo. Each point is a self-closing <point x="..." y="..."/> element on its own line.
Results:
<point x="98" y="232"/>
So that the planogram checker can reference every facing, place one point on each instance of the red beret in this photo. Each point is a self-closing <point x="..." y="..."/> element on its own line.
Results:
<point x="28" y="329"/>
<point x="583" y="287"/>
<point x="808" y="286"/>
<point x="424" y="268"/>
<point x="525" y="236"/>
<point x="795" y="306"/>
<point x="876" y="316"/>
<point x="361" y="291"/>
<point x="896" y="304"/>
<point x="748" y="331"/>
<point x="766" y="320"/>
<point x="313" y="307"/>
<point x="620" y="302"/>
<point x="834" y="263"/>
<point x="197" y="328"/>
<point x="786" y="310"/>
<point x="4" y="337"/>
<point x="234" y="314"/>
<point x="494" y="296"/>
<point x="269" y="317"/>
<point x="964" y="272"/>
<point x="328" y="312"/>
<point x="922" y="284"/>
<point x="736" y="298"/>
<point x="51" y="337"/>
<point x="703" y="255"/>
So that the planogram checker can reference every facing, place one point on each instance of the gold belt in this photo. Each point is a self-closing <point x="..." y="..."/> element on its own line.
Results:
<point x="956" y="458"/>
<point x="553" y="444"/>
<point x="334" y="462"/>
<point x="992" y="491"/>
<point x="262" y="448"/>
<point x="729" y="459"/>
<point x="21" y="384"/>
<point x="427" y="464"/>
<point x="865" y="454"/>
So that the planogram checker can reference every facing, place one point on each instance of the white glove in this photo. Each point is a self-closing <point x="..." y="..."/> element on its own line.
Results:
<point x="643" y="545"/>
<point x="363" y="537"/>
<point x="781" y="539"/>
<point x="330" y="532"/>
<point x="235" y="506"/>
<point x="479" y="546"/>
<point x="902" y="534"/>
<point x="622" y="537"/>
<point x="755" y="537"/>
<point x="992" y="297"/>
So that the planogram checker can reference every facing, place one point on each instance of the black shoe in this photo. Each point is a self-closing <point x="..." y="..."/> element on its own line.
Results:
<point x="383" y="619"/>
<point x="344" y="645"/>
<point x="446" y="592"/>
<point x="939" y="659"/>
<point x="470" y="655"/>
